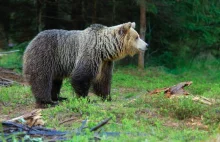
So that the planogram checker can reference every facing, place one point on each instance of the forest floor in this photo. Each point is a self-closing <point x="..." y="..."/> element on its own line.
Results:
<point x="136" y="115"/>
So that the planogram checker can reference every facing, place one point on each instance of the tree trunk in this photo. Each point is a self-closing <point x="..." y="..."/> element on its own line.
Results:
<point x="142" y="32"/>
<point x="3" y="39"/>
<point x="5" y="13"/>
<point x="39" y="16"/>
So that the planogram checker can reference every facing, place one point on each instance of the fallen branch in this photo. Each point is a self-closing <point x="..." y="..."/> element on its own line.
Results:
<point x="44" y="134"/>
<point x="5" y="82"/>
<point x="32" y="119"/>
<point x="70" y="119"/>
<point x="101" y="124"/>
<point x="9" y="52"/>
<point x="8" y="71"/>
<point x="204" y="100"/>
<point x="8" y="77"/>
<point x="21" y="130"/>
<point x="67" y="120"/>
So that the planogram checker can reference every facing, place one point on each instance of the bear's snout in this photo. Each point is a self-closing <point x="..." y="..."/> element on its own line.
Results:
<point x="142" y="45"/>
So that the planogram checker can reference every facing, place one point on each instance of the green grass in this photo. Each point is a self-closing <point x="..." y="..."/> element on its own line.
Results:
<point x="136" y="115"/>
<point x="12" y="60"/>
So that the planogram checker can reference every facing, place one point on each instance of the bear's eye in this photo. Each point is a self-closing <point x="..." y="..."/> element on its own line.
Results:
<point x="136" y="38"/>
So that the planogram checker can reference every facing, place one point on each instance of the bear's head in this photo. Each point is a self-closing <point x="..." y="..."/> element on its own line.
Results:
<point x="129" y="40"/>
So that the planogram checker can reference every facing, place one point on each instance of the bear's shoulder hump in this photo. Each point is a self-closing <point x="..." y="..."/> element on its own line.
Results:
<point x="97" y="26"/>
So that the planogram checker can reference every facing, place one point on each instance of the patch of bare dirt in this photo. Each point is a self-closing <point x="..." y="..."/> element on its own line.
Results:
<point x="17" y="111"/>
<point x="195" y="122"/>
<point x="214" y="139"/>
<point x="149" y="113"/>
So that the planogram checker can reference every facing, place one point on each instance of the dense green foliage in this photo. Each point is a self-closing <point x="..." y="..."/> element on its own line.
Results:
<point x="179" y="32"/>
<point x="188" y="30"/>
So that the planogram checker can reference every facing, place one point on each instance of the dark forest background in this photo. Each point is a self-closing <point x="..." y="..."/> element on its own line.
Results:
<point x="179" y="32"/>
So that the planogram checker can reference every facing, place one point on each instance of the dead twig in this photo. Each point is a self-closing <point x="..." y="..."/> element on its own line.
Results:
<point x="72" y="118"/>
<point x="100" y="124"/>
<point x="68" y="120"/>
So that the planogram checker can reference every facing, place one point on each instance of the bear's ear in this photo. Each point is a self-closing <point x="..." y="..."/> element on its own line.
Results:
<point x="125" y="28"/>
<point x="133" y="25"/>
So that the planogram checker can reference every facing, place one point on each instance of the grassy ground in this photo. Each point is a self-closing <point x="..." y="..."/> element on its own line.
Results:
<point x="136" y="115"/>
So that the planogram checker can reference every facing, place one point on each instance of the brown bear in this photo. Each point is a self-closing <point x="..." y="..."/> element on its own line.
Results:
<point x="85" y="56"/>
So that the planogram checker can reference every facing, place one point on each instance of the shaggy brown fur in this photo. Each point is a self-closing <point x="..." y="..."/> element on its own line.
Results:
<point x="86" y="56"/>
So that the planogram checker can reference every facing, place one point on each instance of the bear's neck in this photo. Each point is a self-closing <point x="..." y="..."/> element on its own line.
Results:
<point x="110" y="46"/>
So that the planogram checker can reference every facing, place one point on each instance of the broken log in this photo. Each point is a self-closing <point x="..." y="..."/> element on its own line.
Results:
<point x="33" y="118"/>
<point x="178" y="91"/>
<point x="174" y="90"/>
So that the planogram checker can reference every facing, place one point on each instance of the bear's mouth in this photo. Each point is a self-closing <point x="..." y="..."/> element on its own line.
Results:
<point x="142" y="50"/>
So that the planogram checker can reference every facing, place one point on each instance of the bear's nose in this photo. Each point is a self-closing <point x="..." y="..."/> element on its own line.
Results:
<point x="146" y="45"/>
<point x="142" y="45"/>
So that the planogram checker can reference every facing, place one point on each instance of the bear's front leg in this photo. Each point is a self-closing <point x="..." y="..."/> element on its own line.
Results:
<point x="81" y="79"/>
<point x="81" y="86"/>
<point x="102" y="84"/>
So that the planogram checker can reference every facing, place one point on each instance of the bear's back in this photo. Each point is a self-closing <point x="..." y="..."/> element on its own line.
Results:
<point x="52" y="50"/>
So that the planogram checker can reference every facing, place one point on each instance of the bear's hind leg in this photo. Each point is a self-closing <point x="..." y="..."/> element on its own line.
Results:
<point x="41" y="89"/>
<point x="102" y="89"/>
<point x="56" y="86"/>
<point x="102" y="85"/>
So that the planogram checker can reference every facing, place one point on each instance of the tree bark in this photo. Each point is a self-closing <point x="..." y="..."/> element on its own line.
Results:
<point x="142" y="32"/>
<point x="39" y="16"/>
<point x="5" y="13"/>
<point x="3" y="39"/>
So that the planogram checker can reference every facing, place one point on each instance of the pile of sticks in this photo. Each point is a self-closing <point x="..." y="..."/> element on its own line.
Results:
<point x="5" y="82"/>
<point x="9" y="77"/>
